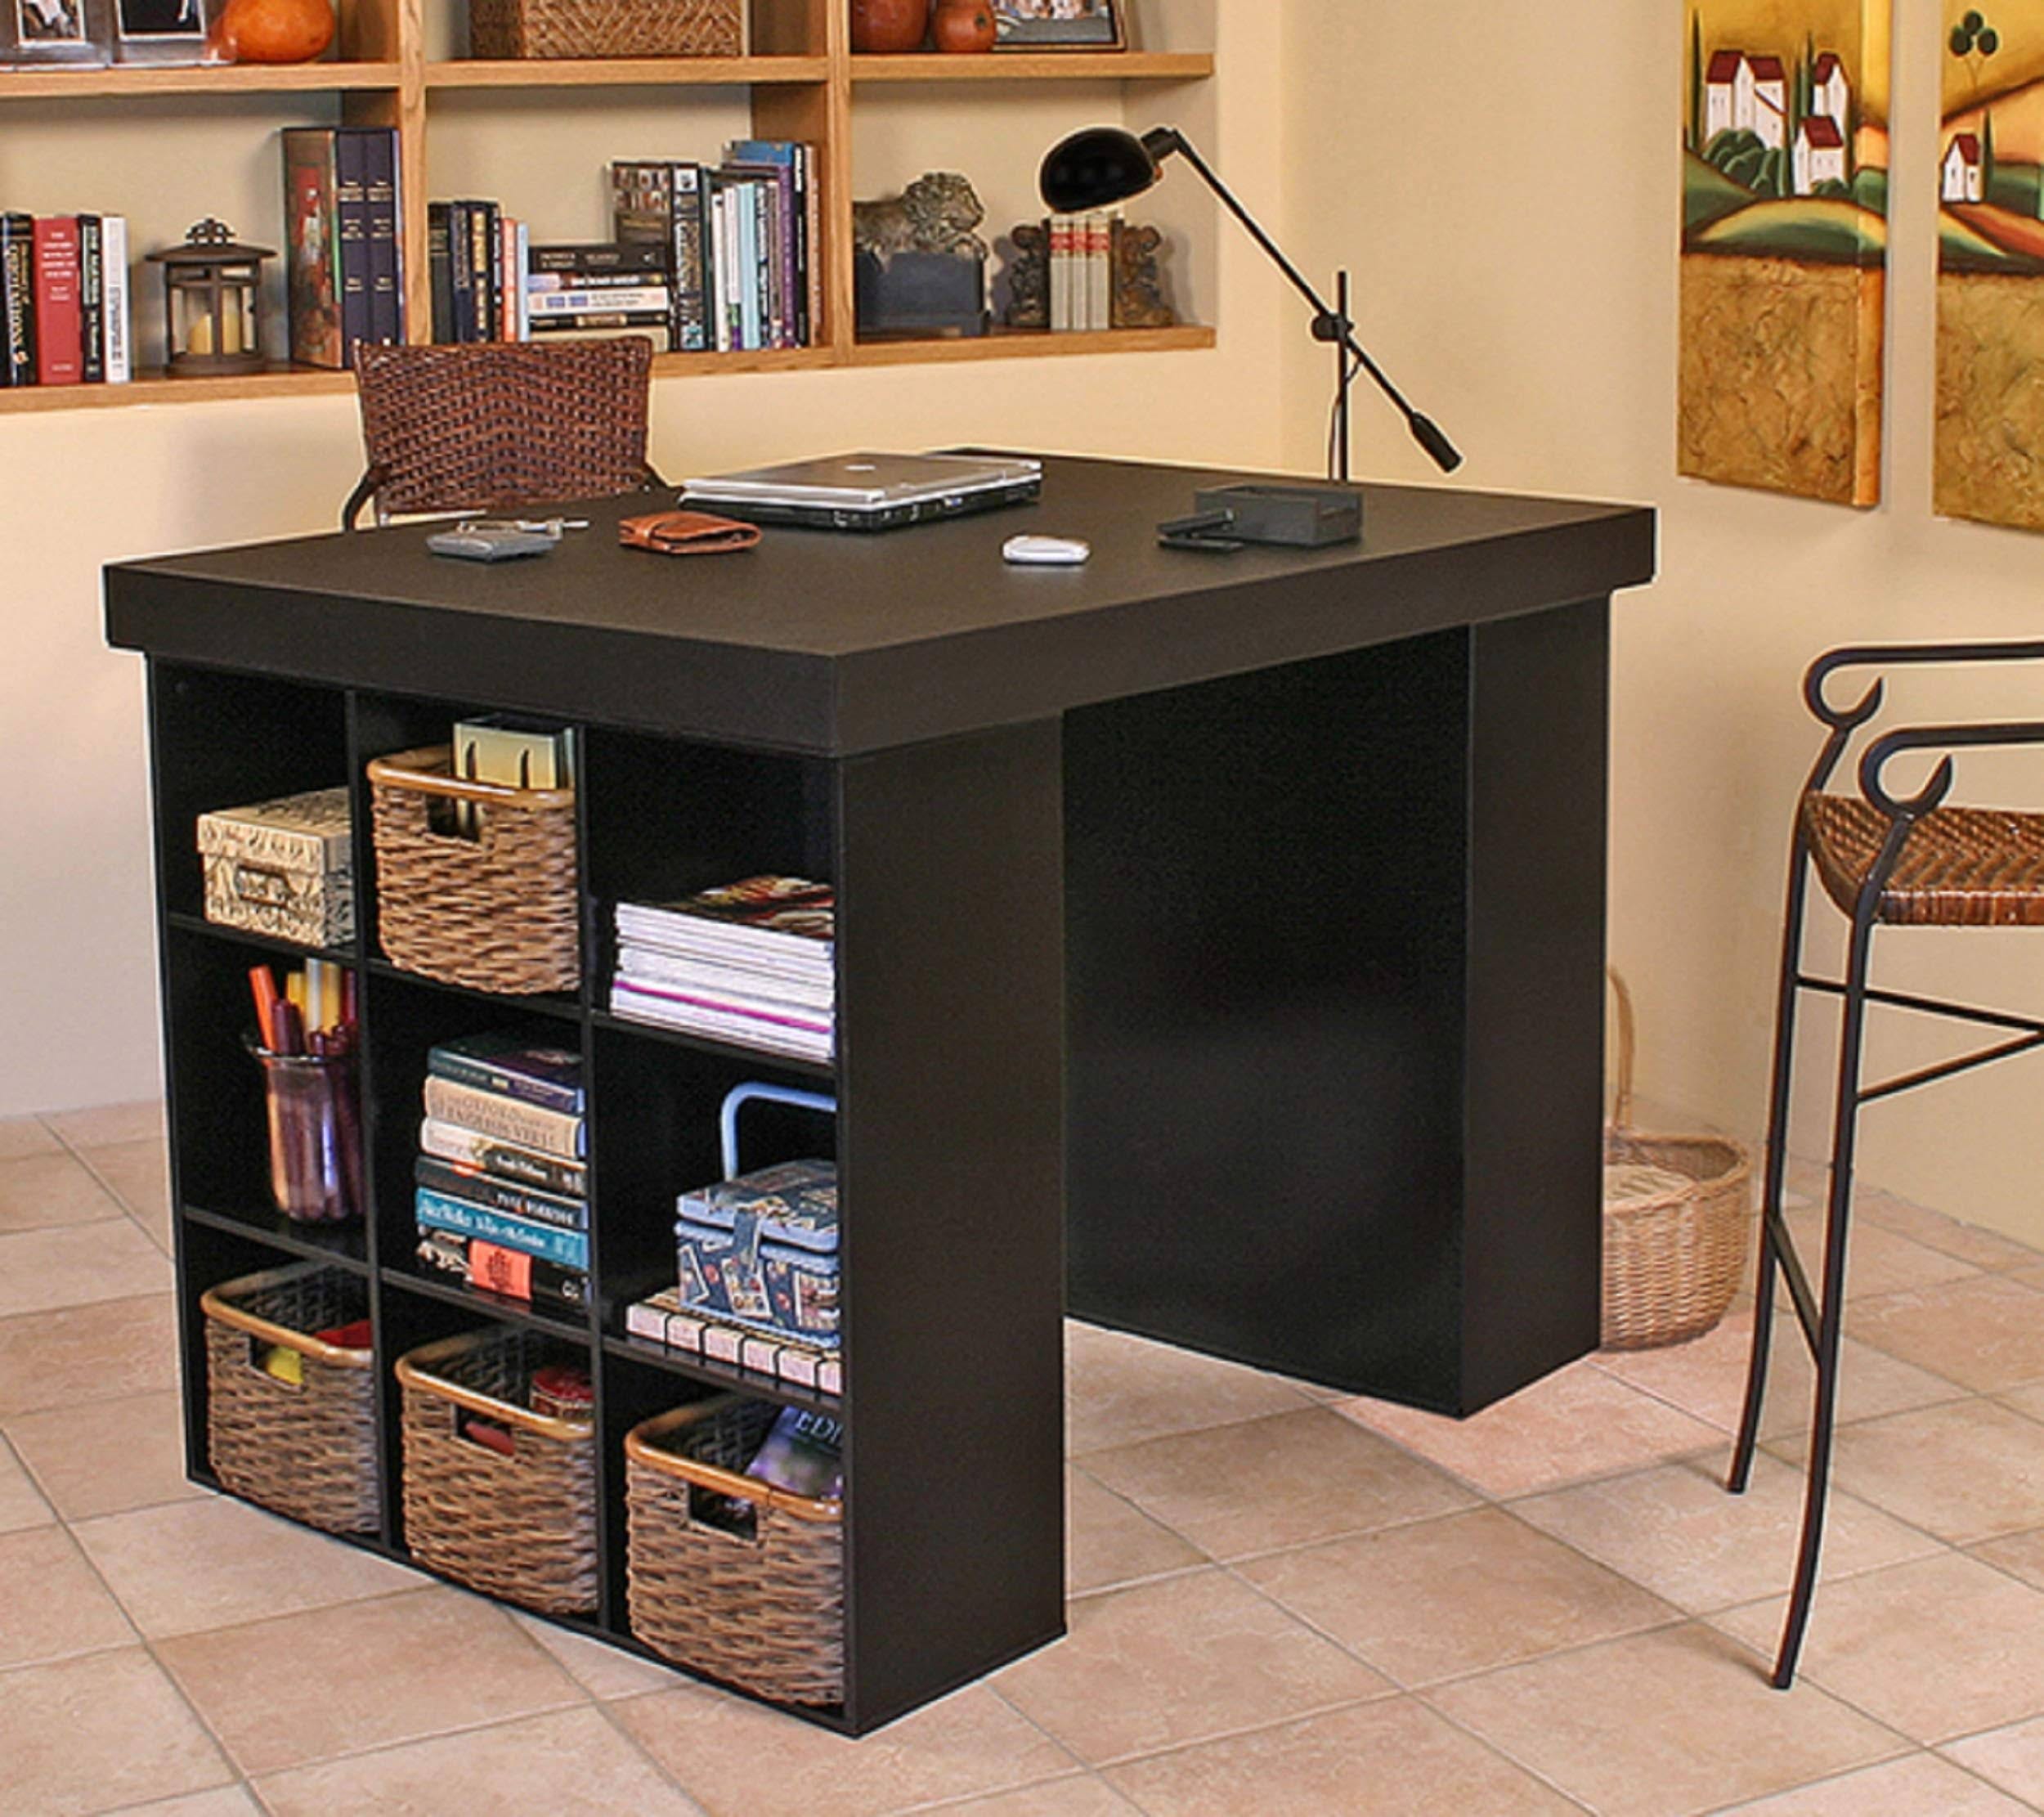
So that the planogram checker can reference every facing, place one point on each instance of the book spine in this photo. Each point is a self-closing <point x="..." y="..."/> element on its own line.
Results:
<point x="565" y="1248"/>
<point x="594" y="284"/>
<point x="653" y="326"/>
<point x="386" y="256"/>
<point x="690" y="260"/>
<point x="753" y="251"/>
<point x="461" y="257"/>
<point x="1098" y="294"/>
<point x="120" y="323"/>
<point x="440" y="270"/>
<point x="506" y="1081"/>
<point x="639" y="261"/>
<point x="1058" y="228"/>
<point x="497" y="1270"/>
<point x="17" y="273"/>
<point x="91" y="267"/>
<point x="606" y="299"/>
<point x="312" y="242"/>
<point x="521" y="274"/>
<point x="489" y="273"/>
<point x="451" y="1142"/>
<point x="727" y="264"/>
<point x="813" y="244"/>
<point x="350" y="209"/>
<point x="492" y="1194"/>
<point x="59" y="348"/>
<point x="551" y="1131"/>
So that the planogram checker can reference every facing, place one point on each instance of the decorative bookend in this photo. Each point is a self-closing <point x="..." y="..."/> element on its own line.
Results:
<point x="1134" y="258"/>
<point x="920" y="267"/>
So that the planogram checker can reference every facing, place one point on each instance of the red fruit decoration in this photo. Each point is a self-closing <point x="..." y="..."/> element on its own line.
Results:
<point x="272" y="31"/>
<point x="883" y="28"/>
<point x="964" y="25"/>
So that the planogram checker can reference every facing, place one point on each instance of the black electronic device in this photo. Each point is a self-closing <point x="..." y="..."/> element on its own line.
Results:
<point x="1295" y="517"/>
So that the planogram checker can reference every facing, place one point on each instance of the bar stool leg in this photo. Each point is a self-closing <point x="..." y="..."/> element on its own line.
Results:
<point x="1832" y="1306"/>
<point x="1777" y="1134"/>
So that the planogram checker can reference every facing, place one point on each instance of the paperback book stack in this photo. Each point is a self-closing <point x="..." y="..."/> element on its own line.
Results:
<point x="750" y="963"/>
<point x="501" y="1188"/>
<point x="65" y="314"/>
<point x="491" y="283"/>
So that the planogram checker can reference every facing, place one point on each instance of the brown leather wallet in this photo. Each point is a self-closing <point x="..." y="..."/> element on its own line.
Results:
<point x="686" y="533"/>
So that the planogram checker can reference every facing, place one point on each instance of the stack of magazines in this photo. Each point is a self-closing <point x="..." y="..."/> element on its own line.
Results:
<point x="749" y="963"/>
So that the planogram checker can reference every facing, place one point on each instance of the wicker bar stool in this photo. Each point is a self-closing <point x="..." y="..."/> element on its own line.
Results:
<point x="1882" y="860"/>
<point x="499" y="424"/>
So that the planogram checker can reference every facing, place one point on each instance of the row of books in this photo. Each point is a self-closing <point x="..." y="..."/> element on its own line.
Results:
<point x="64" y="302"/>
<point x="750" y="962"/>
<point x="1081" y="270"/>
<point x="501" y="1195"/>
<point x="343" y="258"/>
<point x="741" y="240"/>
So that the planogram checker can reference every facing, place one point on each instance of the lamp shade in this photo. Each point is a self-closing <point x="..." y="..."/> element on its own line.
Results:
<point x="1095" y="169"/>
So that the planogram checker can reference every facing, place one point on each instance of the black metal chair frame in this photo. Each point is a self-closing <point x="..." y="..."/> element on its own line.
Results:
<point x="1820" y="1314"/>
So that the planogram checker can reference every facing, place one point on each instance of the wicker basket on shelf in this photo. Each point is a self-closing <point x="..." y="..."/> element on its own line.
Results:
<point x="752" y="1594"/>
<point x="291" y="1418"/>
<point x="495" y="1495"/>
<point x="495" y="904"/>
<point x="606" y="27"/>
<point x="1677" y="1221"/>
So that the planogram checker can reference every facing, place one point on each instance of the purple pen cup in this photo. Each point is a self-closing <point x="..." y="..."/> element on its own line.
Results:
<point x="316" y="1146"/>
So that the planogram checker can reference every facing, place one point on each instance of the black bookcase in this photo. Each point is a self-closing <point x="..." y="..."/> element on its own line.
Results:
<point x="949" y="1020"/>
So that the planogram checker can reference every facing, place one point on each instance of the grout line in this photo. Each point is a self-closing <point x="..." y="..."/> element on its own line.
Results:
<point x="602" y="1705"/>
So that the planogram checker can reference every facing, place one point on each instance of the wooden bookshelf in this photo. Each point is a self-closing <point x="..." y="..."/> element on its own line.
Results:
<point x="1038" y="66"/>
<point x="629" y="72"/>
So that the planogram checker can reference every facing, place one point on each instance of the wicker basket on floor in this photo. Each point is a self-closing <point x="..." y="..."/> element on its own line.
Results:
<point x="754" y="1596"/>
<point x="498" y="911"/>
<point x="606" y="27"/>
<point x="306" y="1447"/>
<point x="1677" y="1221"/>
<point x="517" y="1523"/>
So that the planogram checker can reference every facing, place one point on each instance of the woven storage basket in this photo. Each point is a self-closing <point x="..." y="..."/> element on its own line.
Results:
<point x="305" y="1448"/>
<point x="1673" y="1255"/>
<point x="762" y="1607"/>
<point x="606" y="27"/>
<point x="499" y="912"/>
<point x="521" y="1526"/>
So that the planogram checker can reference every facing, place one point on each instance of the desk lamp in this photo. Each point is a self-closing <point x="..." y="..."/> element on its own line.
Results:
<point x="1103" y="165"/>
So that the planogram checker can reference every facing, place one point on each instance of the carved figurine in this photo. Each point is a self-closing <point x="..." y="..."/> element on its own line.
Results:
<point x="1138" y="281"/>
<point x="936" y="213"/>
<point x="1029" y="277"/>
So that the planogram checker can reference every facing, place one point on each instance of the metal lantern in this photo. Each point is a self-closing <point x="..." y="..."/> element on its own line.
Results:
<point x="213" y="302"/>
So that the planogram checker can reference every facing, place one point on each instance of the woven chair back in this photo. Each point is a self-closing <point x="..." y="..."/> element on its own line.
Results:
<point x="501" y="424"/>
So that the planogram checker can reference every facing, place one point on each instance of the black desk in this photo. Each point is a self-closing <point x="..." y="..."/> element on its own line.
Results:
<point x="1220" y="944"/>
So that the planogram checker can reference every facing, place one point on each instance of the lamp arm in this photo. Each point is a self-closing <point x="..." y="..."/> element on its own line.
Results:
<point x="1328" y="325"/>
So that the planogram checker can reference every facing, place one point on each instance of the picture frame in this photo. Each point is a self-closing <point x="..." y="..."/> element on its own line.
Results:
<point x="41" y="31"/>
<point x="160" y="31"/>
<point x="1059" y="25"/>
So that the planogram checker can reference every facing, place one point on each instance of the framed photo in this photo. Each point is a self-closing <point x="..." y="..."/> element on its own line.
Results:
<point x="159" y="31"/>
<point x="1059" y="25"/>
<point x="55" y="31"/>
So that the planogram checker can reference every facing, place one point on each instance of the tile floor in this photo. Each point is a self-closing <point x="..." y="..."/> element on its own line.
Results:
<point x="1283" y="1602"/>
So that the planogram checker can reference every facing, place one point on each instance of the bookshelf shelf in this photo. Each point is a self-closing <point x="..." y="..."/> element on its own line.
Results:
<point x="261" y="942"/>
<point x="1032" y="343"/>
<point x="1038" y="66"/>
<point x="492" y="1307"/>
<point x="740" y="1381"/>
<point x="156" y="387"/>
<point x="695" y="1043"/>
<point x="244" y="78"/>
<point x="340" y="1244"/>
<point x="628" y="72"/>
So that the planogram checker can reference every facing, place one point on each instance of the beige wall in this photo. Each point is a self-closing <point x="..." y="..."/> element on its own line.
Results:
<point x="77" y="1021"/>
<point x="1504" y="180"/>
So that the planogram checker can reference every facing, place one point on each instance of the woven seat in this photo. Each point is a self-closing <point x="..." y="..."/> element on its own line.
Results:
<point x="1960" y="866"/>
<point x="501" y="425"/>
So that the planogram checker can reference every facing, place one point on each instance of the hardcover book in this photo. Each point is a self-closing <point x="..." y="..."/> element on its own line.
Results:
<point x="59" y="306"/>
<point x="119" y="321"/>
<point x="312" y="247"/>
<point x="438" y="1211"/>
<point x="386" y="240"/>
<point x="491" y="1113"/>
<point x="17" y="293"/>
<point x="481" y="1189"/>
<point x="350" y="209"/>
<point x="470" y="1148"/>
<point x="550" y="1077"/>
<point x="91" y="299"/>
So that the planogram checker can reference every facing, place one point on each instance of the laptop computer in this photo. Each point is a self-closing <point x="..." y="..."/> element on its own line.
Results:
<point x="869" y="492"/>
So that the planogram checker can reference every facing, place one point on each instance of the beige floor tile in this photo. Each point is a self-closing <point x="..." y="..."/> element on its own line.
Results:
<point x="1878" y="1260"/>
<point x="1676" y="1531"/>
<point x="2020" y="1554"/>
<point x="21" y="1504"/>
<point x="443" y="1660"/>
<point x="1986" y="1332"/>
<point x="103" y="1125"/>
<point x="1917" y="1785"/>
<point x="1969" y="1470"/>
<point x="1284" y="1481"/>
<point x="1108" y="1542"/>
<point x="738" y="1760"/>
<point x="1395" y="1758"/>
<point x="603" y="1671"/>
<point x="1578" y="1422"/>
<point x="2028" y="1401"/>
<point x="227" y="1800"/>
<point x="1449" y="1597"/>
<point x="570" y="1763"/>
<point x="138" y="1174"/>
<point x="1936" y="1648"/>
<point x="106" y="1457"/>
<point x="1179" y="1661"/>
<point x="1663" y="1725"/>
<point x="1984" y="1248"/>
<point x="42" y="1192"/>
<point x="1082" y="1796"/>
<point x="77" y="1265"/>
<point x="96" y="1732"/>
<point x="2011" y="1758"/>
<point x="53" y="1604"/>
<point x="189" y="1566"/>
<point x="20" y="1136"/>
<point x="1120" y="1390"/>
<point x="62" y="1359"/>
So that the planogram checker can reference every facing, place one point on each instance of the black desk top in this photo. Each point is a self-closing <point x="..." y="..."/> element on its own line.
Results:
<point x="838" y="644"/>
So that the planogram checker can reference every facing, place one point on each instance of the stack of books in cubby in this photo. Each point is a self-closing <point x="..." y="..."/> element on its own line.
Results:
<point x="501" y="1192"/>
<point x="750" y="963"/>
<point x="65" y="318"/>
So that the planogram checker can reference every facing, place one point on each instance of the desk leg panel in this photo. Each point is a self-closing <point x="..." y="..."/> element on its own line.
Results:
<point x="950" y="1077"/>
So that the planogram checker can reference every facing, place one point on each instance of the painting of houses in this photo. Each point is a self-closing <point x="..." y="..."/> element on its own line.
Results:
<point x="1785" y="245"/>
<point x="1987" y="455"/>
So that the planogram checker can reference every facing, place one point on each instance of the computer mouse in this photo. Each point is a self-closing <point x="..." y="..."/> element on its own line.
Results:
<point x="1045" y="551"/>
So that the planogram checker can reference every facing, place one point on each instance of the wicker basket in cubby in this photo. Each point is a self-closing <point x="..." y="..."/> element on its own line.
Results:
<point x="476" y="882"/>
<point x="606" y="27"/>
<point x="290" y="1418"/>
<point x="495" y="1495"/>
<point x="730" y="1576"/>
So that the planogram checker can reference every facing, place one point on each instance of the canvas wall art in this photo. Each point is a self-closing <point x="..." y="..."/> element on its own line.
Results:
<point x="1785" y="245"/>
<point x="1988" y="456"/>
